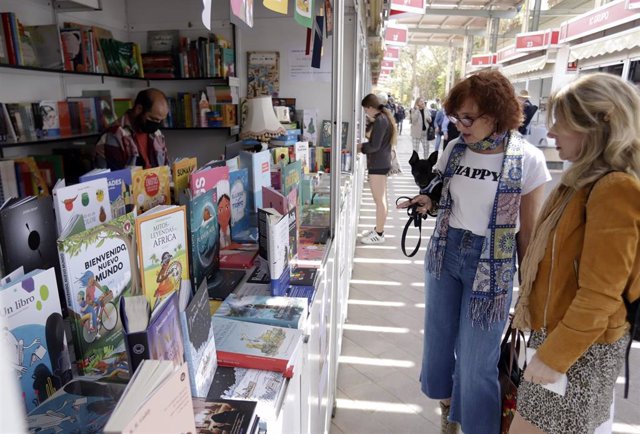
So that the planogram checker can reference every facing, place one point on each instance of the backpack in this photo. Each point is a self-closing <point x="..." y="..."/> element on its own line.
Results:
<point x="431" y="129"/>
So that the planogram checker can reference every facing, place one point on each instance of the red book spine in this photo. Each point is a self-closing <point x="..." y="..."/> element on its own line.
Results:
<point x="8" y="37"/>
<point x="254" y="362"/>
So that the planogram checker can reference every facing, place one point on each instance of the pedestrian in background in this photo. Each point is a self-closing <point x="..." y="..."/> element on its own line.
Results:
<point x="420" y="119"/>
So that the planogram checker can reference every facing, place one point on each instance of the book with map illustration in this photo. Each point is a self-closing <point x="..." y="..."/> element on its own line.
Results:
<point x="256" y="346"/>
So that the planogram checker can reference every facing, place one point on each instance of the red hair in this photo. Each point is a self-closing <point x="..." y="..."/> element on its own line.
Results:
<point x="494" y="95"/>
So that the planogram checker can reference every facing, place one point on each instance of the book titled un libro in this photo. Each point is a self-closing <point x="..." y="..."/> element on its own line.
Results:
<point x="256" y="346"/>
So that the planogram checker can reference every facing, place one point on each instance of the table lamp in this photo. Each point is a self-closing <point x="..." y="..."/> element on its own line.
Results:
<point x="262" y="123"/>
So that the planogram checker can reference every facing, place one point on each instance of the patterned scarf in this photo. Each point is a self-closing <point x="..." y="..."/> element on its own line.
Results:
<point x="494" y="275"/>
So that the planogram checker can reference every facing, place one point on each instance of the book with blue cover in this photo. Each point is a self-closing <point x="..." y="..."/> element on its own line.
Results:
<point x="35" y="334"/>
<point x="83" y="405"/>
<point x="199" y="342"/>
<point x="241" y="207"/>
<point x="279" y="311"/>
<point x="204" y="236"/>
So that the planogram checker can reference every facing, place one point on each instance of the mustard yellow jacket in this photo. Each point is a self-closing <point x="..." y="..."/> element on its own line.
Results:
<point x="591" y="260"/>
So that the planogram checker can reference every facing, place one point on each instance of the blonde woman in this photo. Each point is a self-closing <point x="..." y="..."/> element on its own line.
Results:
<point x="583" y="259"/>
<point x="420" y="120"/>
<point x="378" y="152"/>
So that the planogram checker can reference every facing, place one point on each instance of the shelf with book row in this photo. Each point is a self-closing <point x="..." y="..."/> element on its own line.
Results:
<point x="214" y="81"/>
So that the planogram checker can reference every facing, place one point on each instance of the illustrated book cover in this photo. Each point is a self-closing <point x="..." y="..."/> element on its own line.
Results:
<point x="204" y="236"/>
<point x="98" y="268"/>
<point x="35" y="334"/>
<point x="89" y="199"/>
<point x="149" y="335"/>
<point x="181" y="170"/>
<point x="241" y="208"/>
<point x="256" y="346"/>
<point x="259" y="165"/>
<point x="150" y="187"/>
<point x="83" y="405"/>
<point x="199" y="343"/>
<point x="161" y="235"/>
<point x="119" y="182"/>
<point x="264" y="387"/>
<point x="278" y="311"/>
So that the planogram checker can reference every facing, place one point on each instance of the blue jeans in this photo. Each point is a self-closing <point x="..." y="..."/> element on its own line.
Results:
<point x="460" y="361"/>
<point x="438" y="139"/>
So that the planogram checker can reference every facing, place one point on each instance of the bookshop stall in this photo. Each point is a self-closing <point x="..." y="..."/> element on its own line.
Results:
<point x="208" y="292"/>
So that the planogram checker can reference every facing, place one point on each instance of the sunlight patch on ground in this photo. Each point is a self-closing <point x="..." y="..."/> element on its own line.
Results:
<point x="377" y="247"/>
<point x="382" y="407"/>
<point x="376" y="303"/>
<point x="419" y="305"/>
<point x="377" y="329"/>
<point x="418" y="284"/>
<point x="376" y="282"/>
<point x="376" y="361"/>
<point x="381" y="261"/>
<point x="368" y="226"/>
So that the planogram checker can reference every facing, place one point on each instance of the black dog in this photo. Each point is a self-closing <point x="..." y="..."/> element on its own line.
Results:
<point x="425" y="177"/>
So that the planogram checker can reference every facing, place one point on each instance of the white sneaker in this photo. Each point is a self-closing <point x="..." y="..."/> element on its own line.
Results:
<point x="372" y="237"/>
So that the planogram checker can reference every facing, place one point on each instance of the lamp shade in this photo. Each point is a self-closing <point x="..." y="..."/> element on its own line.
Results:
<point x="261" y="123"/>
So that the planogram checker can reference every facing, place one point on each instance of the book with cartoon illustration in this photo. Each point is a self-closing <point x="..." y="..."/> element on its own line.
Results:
<point x="82" y="405"/>
<point x="161" y="235"/>
<point x="278" y="311"/>
<point x="149" y="335"/>
<point x="199" y="343"/>
<point x="98" y="268"/>
<point x="241" y="207"/>
<point x="204" y="236"/>
<point x="150" y="187"/>
<point x="119" y="182"/>
<point x="89" y="199"/>
<point x="35" y="335"/>
<point x="256" y="346"/>
<point x="181" y="170"/>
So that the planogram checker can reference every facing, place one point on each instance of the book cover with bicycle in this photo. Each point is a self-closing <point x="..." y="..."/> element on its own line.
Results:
<point x="99" y="267"/>
<point x="162" y="252"/>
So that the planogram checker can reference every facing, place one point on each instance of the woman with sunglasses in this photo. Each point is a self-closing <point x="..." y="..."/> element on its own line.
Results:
<point x="492" y="188"/>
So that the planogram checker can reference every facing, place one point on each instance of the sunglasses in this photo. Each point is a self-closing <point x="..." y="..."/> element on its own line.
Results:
<point x="465" y="122"/>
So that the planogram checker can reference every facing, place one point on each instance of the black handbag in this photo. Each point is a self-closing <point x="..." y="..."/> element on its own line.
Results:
<point x="509" y="374"/>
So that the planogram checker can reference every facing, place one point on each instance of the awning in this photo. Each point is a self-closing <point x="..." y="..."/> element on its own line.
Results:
<point x="530" y="65"/>
<point x="609" y="44"/>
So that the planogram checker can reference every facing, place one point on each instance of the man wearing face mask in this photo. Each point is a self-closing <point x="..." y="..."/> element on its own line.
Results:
<point x="135" y="139"/>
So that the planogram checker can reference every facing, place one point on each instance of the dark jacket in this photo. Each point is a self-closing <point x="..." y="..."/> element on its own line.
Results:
<point x="378" y="149"/>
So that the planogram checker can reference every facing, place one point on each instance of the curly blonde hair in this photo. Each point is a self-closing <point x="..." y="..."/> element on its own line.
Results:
<point x="606" y="109"/>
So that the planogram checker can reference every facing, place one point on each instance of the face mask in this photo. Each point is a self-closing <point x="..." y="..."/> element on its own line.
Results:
<point x="488" y="143"/>
<point x="151" y="127"/>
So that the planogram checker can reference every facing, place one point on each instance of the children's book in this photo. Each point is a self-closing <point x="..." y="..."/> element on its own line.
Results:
<point x="150" y="188"/>
<point x="313" y="235"/>
<point x="241" y="209"/>
<point x="304" y="276"/>
<point x="89" y="199"/>
<point x="204" y="236"/>
<point x="161" y="235"/>
<point x="157" y="399"/>
<point x="256" y="346"/>
<point x="83" y="405"/>
<point x="217" y="178"/>
<point x="151" y="336"/>
<point x="308" y="119"/>
<point x="225" y="416"/>
<point x="35" y="334"/>
<point x="301" y="150"/>
<point x="199" y="343"/>
<point x="181" y="169"/>
<point x="325" y="134"/>
<point x="265" y="387"/>
<point x="278" y="311"/>
<point x="119" y="182"/>
<point x="98" y="268"/>
<point x="291" y="175"/>
<point x="28" y="237"/>
<point x="259" y="165"/>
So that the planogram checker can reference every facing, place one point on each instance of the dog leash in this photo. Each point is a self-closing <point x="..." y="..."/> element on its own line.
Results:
<point x="415" y="218"/>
